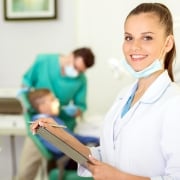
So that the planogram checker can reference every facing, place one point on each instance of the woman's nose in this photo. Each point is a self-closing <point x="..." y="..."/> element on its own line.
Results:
<point x="136" y="46"/>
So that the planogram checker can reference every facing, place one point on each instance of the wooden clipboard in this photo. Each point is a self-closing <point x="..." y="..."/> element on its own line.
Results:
<point x="72" y="150"/>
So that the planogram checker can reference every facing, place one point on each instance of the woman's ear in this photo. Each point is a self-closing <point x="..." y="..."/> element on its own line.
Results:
<point x="169" y="43"/>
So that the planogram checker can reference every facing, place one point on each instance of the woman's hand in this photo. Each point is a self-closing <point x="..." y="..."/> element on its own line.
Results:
<point x="44" y="122"/>
<point x="102" y="171"/>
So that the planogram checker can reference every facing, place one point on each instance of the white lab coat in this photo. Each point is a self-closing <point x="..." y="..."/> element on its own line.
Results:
<point x="146" y="141"/>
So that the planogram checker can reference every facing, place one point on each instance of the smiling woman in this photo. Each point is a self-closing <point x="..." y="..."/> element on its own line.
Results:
<point x="30" y="9"/>
<point x="146" y="45"/>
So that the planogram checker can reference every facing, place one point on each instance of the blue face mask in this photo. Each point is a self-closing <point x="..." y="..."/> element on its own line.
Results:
<point x="155" y="66"/>
<point x="70" y="71"/>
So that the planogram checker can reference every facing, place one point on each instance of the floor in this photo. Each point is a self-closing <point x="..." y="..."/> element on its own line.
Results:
<point x="6" y="170"/>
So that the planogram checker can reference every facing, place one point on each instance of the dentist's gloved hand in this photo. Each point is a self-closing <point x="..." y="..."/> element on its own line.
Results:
<point x="70" y="110"/>
<point x="22" y="91"/>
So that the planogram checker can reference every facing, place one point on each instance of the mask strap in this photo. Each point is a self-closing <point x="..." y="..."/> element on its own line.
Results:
<point x="163" y="48"/>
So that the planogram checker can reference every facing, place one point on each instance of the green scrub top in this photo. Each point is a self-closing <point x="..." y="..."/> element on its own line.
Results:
<point x="45" y="72"/>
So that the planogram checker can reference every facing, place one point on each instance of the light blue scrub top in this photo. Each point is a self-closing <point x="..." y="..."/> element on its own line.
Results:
<point x="127" y="106"/>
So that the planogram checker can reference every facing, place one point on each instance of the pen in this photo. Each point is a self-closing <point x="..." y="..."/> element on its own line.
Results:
<point x="53" y="125"/>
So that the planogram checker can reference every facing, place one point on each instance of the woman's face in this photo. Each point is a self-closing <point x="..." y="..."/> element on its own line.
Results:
<point x="144" y="40"/>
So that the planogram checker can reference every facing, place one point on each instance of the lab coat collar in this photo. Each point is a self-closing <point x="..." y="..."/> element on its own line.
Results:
<point x="157" y="88"/>
<point x="153" y="93"/>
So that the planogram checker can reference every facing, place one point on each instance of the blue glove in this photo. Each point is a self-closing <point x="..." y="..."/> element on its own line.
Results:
<point x="22" y="91"/>
<point x="70" y="110"/>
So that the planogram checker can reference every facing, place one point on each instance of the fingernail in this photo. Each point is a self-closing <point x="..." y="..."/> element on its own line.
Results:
<point x="40" y="123"/>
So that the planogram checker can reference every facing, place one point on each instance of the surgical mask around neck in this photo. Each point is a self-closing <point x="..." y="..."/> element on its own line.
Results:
<point x="155" y="66"/>
<point x="70" y="71"/>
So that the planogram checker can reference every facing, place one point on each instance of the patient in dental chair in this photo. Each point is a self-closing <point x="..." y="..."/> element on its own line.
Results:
<point x="47" y="105"/>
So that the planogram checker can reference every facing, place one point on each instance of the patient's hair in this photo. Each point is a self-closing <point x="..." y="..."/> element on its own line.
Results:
<point x="86" y="54"/>
<point x="36" y="97"/>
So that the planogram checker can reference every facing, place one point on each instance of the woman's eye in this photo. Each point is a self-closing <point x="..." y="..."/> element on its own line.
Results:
<point x="147" y="38"/>
<point x="128" y="38"/>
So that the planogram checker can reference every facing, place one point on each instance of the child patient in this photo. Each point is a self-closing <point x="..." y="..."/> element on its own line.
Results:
<point x="47" y="105"/>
